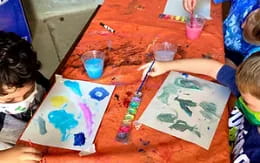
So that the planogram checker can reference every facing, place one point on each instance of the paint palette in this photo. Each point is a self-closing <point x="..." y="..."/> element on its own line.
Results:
<point x="70" y="115"/>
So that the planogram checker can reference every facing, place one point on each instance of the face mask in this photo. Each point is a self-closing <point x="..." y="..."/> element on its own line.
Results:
<point x="18" y="107"/>
<point x="252" y="116"/>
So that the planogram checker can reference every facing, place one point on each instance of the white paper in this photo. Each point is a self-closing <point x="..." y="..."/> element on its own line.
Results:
<point x="175" y="8"/>
<point x="70" y="115"/>
<point x="198" y="119"/>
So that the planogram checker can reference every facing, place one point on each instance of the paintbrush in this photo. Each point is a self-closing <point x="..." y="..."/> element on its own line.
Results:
<point x="146" y="76"/>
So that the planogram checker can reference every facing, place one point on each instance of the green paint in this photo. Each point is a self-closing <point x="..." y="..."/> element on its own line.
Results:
<point x="182" y="126"/>
<point x="167" y="117"/>
<point x="209" y="107"/>
<point x="167" y="90"/>
<point x="132" y="111"/>
<point x="19" y="108"/>
<point x="185" y="83"/>
<point x="185" y="104"/>
<point x="206" y="115"/>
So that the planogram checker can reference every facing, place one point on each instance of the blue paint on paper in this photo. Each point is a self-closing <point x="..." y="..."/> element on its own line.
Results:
<point x="42" y="126"/>
<point x="185" y="75"/>
<point x="98" y="93"/>
<point x="74" y="86"/>
<point x="62" y="121"/>
<point x="79" y="139"/>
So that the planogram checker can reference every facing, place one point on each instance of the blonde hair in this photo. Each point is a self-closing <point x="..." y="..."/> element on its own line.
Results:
<point x="251" y="29"/>
<point x="248" y="75"/>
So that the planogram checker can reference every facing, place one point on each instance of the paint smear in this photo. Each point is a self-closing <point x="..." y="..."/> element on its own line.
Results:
<point x="190" y="84"/>
<point x="42" y="126"/>
<point x="79" y="139"/>
<point x="167" y="91"/>
<point x="167" y="117"/>
<point x="58" y="101"/>
<point x="88" y="117"/>
<point x="98" y="93"/>
<point x="74" y="86"/>
<point x="62" y="121"/>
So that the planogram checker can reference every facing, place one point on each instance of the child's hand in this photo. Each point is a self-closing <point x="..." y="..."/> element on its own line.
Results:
<point x="19" y="154"/>
<point x="189" y="5"/>
<point x="157" y="69"/>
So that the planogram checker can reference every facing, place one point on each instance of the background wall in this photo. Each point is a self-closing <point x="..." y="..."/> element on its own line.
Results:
<point x="55" y="24"/>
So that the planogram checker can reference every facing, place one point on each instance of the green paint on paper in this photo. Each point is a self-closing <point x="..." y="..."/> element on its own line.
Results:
<point x="185" y="83"/>
<point x="209" y="110"/>
<point x="182" y="126"/>
<point x="209" y="107"/>
<point x="167" y="117"/>
<point x="185" y="104"/>
<point x="167" y="90"/>
<point x="206" y="115"/>
<point x="58" y="101"/>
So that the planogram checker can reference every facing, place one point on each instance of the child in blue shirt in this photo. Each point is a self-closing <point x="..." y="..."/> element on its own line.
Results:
<point x="244" y="120"/>
<point x="241" y="28"/>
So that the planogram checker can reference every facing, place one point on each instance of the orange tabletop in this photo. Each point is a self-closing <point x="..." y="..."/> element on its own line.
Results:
<point x="137" y="27"/>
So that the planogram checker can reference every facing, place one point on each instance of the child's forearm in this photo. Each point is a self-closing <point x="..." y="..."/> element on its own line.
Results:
<point x="207" y="67"/>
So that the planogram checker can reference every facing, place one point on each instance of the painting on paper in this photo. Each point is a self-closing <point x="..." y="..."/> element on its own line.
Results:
<point x="70" y="115"/>
<point x="187" y="107"/>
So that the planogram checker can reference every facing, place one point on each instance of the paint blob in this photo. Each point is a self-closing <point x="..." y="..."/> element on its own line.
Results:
<point x="79" y="139"/>
<point x="74" y="86"/>
<point x="62" y="121"/>
<point x="42" y="126"/>
<point x="58" y="101"/>
<point x="98" y="93"/>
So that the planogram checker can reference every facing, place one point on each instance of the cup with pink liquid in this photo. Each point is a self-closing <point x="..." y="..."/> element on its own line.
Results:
<point x="194" y="26"/>
<point x="164" y="51"/>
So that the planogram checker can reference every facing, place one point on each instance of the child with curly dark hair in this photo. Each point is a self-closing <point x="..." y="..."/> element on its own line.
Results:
<point x="22" y="88"/>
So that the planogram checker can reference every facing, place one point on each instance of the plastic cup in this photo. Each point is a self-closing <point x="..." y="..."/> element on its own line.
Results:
<point x="194" y="27"/>
<point x="93" y="63"/>
<point x="164" y="51"/>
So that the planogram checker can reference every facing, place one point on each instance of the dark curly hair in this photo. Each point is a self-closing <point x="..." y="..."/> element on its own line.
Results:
<point x="18" y="61"/>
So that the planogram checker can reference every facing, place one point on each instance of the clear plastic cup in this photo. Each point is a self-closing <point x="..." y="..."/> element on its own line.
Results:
<point x="164" y="51"/>
<point x="194" y="26"/>
<point x="93" y="62"/>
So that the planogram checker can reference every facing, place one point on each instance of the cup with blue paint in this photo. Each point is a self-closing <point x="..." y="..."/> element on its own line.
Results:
<point x="164" y="51"/>
<point x="93" y="61"/>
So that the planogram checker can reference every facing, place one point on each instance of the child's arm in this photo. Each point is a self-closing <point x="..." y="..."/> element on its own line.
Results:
<point x="207" y="67"/>
<point x="20" y="154"/>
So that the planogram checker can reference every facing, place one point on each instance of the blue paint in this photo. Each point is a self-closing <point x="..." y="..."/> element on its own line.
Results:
<point x="94" y="67"/>
<point x="185" y="75"/>
<point x="42" y="126"/>
<point x="62" y="121"/>
<point x="74" y="86"/>
<point x="98" y="93"/>
<point x="79" y="139"/>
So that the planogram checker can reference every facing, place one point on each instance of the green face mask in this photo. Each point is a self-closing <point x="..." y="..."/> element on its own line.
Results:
<point x="252" y="116"/>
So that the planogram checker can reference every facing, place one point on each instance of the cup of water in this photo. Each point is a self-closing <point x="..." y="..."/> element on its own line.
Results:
<point x="93" y="62"/>
<point x="194" y="26"/>
<point x="164" y="51"/>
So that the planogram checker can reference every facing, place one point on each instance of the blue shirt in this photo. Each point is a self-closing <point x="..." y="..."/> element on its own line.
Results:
<point x="233" y="33"/>
<point x="247" y="137"/>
